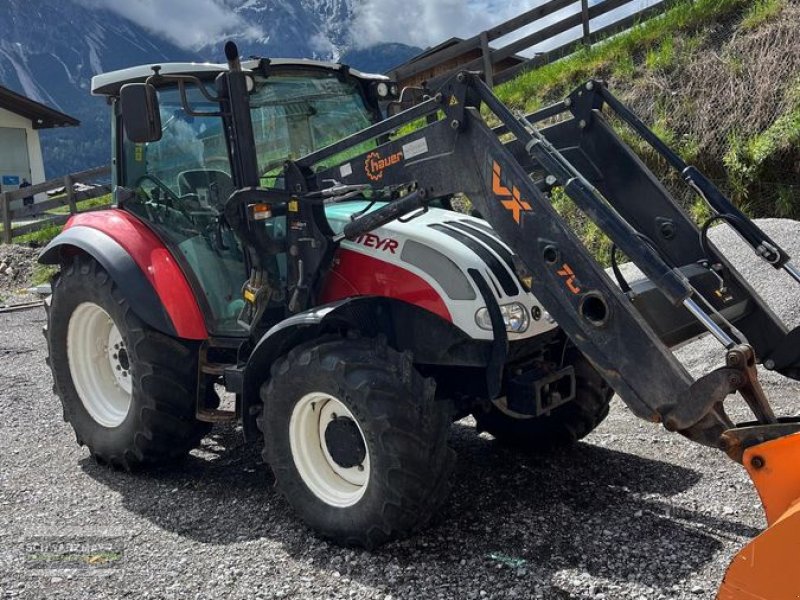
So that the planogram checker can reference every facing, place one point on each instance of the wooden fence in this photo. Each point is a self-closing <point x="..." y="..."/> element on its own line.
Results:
<point x="447" y="59"/>
<point x="70" y="198"/>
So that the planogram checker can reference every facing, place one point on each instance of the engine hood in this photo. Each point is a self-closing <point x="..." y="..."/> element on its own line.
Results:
<point x="448" y="249"/>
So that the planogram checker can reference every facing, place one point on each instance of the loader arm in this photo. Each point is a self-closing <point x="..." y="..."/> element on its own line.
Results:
<point x="506" y="182"/>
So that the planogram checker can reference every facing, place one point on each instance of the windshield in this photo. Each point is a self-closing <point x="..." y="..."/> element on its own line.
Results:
<point x="294" y="115"/>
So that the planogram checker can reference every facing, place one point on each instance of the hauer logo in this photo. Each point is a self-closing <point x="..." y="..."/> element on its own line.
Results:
<point x="375" y="164"/>
<point x="370" y="240"/>
<point x="510" y="199"/>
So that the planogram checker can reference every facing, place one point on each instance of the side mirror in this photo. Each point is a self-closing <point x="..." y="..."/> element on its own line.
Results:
<point x="140" y="114"/>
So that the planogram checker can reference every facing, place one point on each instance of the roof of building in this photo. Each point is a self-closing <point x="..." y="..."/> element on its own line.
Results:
<point x="40" y="115"/>
<point x="442" y="46"/>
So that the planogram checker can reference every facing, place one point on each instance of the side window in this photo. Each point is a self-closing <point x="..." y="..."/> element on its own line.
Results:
<point x="180" y="185"/>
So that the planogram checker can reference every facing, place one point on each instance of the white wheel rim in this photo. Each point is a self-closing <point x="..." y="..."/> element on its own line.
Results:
<point x="329" y="481"/>
<point x="99" y="364"/>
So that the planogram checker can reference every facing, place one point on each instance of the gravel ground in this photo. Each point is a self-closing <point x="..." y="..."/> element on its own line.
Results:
<point x="633" y="512"/>
<point x="16" y="269"/>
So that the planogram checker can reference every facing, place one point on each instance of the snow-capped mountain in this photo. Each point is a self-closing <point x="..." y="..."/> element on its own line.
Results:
<point x="50" y="49"/>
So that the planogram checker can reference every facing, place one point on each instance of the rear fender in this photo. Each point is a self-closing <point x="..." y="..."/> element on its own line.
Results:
<point x="429" y="337"/>
<point x="141" y="266"/>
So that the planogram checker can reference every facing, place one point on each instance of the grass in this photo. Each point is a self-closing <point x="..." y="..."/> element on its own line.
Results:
<point x="661" y="57"/>
<point x="761" y="12"/>
<point x="84" y="205"/>
<point x="40" y="237"/>
<point x="42" y="274"/>
<point x="653" y="38"/>
<point x="751" y="160"/>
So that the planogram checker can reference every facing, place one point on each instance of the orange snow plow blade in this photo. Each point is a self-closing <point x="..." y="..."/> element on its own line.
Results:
<point x="768" y="568"/>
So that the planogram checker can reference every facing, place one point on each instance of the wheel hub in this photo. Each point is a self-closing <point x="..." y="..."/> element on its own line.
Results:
<point x="118" y="359"/>
<point x="345" y="444"/>
<point x="329" y="449"/>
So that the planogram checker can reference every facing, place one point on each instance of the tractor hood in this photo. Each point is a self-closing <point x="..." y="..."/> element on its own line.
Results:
<point x="446" y="248"/>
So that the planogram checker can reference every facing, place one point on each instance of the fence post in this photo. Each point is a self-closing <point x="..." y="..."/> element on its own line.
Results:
<point x="585" y="22"/>
<point x="6" y="217"/>
<point x="73" y="208"/>
<point x="486" y="52"/>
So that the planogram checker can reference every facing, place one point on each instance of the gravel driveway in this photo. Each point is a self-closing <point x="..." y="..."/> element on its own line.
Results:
<point x="634" y="512"/>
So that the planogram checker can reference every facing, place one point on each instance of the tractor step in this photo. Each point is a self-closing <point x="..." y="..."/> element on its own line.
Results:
<point x="215" y="415"/>
<point x="216" y="369"/>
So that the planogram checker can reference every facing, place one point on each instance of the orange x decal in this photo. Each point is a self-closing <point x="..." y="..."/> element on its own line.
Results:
<point x="513" y="202"/>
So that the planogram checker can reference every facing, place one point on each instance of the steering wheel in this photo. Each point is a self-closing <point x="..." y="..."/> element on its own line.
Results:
<point x="162" y="186"/>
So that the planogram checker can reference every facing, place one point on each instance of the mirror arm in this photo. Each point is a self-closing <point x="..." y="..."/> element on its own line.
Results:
<point x="187" y="107"/>
<point x="182" y="80"/>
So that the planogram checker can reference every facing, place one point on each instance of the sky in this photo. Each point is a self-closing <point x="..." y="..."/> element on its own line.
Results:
<point x="209" y="19"/>
<point x="420" y="23"/>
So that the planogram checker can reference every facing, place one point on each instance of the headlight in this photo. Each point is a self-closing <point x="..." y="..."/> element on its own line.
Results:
<point x="383" y="90"/>
<point x="515" y="317"/>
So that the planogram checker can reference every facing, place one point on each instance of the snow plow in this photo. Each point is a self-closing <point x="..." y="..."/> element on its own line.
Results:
<point x="275" y="237"/>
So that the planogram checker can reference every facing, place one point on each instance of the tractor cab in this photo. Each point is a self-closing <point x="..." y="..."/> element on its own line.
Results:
<point x="179" y="179"/>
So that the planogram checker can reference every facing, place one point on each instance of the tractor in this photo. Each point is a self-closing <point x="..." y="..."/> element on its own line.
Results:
<point x="284" y="254"/>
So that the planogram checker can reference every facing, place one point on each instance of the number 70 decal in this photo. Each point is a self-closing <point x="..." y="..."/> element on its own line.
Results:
<point x="569" y="278"/>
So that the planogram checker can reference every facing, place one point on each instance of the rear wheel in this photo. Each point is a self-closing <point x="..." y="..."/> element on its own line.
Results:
<point x="127" y="391"/>
<point x="356" y="440"/>
<point x="565" y="425"/>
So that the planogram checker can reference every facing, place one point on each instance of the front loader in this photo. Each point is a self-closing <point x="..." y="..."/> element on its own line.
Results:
<point x="350" y="368"/>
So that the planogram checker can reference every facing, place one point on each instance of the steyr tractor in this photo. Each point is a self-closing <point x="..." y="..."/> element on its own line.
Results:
<point x="275" y="234"/>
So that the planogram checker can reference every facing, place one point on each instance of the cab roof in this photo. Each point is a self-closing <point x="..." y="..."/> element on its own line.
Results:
<point x="108" y="84"/>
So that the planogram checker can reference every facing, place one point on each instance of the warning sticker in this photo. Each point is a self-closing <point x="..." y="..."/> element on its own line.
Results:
<point x="415" y="148"/>
<point x="345" y="170"/>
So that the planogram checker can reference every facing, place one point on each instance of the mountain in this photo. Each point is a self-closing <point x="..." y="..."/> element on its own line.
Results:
<point x="380" y="58"/>
<point x="50" y="49"/>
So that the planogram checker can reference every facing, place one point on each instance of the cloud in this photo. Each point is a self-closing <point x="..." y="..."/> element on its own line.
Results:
<point x="189" y="24"/>
<point x="425" y="22"/>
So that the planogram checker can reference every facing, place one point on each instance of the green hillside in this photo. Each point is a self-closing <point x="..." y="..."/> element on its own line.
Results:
<point x="719" y="80"/>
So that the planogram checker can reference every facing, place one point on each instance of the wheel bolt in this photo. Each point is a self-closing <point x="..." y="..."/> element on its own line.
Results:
<point x="360" y="467"/>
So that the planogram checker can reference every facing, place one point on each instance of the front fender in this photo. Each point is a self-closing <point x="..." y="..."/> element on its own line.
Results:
<point x="430" y="338"/>
<point x="141" y="266"/>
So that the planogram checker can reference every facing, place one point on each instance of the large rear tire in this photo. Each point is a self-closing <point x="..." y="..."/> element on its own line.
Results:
<point x="356" y="440"/>
<point x="564" y="426"/>
<point x="127" y="391"/>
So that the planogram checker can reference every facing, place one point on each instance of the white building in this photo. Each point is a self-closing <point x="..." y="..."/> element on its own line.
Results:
<point x="20" y="151"/>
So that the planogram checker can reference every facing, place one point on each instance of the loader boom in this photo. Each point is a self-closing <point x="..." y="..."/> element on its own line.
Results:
<point x="507" y="183"/>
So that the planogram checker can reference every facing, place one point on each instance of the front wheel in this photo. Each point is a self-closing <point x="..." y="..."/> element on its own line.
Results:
<point x="356" y="440"/>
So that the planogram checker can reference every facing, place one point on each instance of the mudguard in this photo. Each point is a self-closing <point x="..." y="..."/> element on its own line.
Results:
<point x="140" y="264"/>
<point x="432" y="339"/>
